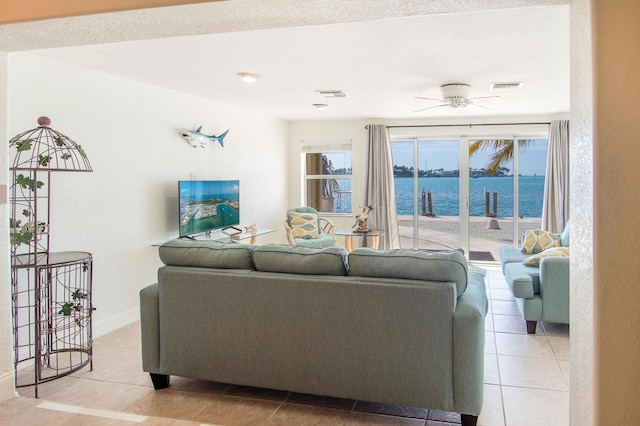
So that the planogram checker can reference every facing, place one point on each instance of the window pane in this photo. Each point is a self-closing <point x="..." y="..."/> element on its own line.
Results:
<point x="329" y="195"/>
<point x="403" y="159"/>
<point x="432" y="226"/>
<point x="336" y="163"/>
<point x="490" y="197"/>
<point x="532" y="161"/>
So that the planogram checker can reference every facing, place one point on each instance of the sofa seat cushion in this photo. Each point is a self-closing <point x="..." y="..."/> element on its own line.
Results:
<point x="300" y="260"/>
<point x="510" y="254"/>
<point x="449" y="266"/>
<point x="524" y="281"/>
<point x="206" y="254"/>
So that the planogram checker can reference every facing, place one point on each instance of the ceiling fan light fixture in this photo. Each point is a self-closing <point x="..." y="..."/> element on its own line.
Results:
<point x="248" y="77"/>
<point x="455" y="95"/>
<point x="455" y="92"/>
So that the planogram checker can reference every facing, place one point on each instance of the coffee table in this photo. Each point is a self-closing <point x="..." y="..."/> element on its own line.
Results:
<point x="372" y="237"/>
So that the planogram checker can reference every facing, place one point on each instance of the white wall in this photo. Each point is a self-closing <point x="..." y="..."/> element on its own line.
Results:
<point x="582" y="216"/>
<point x="129" y="131"/>
<point x="6" y="336"/>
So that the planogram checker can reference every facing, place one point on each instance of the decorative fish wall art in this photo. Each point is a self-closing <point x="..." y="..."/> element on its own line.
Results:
<point x="198" y="139"/>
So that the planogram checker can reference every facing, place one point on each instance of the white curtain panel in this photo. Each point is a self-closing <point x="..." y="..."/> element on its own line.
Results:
<point x="555" y="207"/>
<point x="379" y="190"/>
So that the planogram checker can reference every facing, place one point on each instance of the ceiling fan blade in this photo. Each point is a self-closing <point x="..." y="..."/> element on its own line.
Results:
<point x="486" y="97"/>
<point x="479" y="106"/>
<point x="430" y="99"/>
<point x="431" y="107"/>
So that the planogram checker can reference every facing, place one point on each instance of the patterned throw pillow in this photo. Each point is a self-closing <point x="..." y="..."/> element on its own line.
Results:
<point x="536" y="240"/>
<point x="304" y="225"/>
<point x="552" y="252"/>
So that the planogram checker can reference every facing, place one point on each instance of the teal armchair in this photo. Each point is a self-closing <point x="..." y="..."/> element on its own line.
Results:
<point x="304" y="232"/>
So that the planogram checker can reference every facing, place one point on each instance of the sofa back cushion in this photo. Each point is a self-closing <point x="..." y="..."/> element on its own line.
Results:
<point x="300" y="260"/>
<point x="206" y="254"/>
<point x="445" y="266"/>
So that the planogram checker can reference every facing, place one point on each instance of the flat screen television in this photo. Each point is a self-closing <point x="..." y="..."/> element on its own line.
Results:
<point x="206" y="205"/>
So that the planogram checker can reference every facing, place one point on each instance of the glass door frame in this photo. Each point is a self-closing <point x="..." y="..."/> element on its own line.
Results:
<point x="465" y="187"/>
<point x="516" y="131"/>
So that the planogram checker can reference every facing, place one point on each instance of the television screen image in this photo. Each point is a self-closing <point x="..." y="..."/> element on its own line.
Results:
<point x="206" y="205"/>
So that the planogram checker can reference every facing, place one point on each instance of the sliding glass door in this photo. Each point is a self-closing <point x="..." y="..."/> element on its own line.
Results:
<point x="491" y="197"/>
<point x="471" y="193"/>
<point x="428" y="193"/>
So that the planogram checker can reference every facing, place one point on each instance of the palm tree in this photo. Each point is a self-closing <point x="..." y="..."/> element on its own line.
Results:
<point x="502" y="151"/>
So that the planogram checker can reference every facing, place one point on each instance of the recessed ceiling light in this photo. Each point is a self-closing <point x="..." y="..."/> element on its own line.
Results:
<point x="249" y="77"/>
<point x="320" y="106"/>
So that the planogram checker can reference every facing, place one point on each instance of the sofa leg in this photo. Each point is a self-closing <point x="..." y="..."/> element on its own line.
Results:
<point x="160" y="381"/>
<point x="531" y="327"/>
<point x="468" y="420"/>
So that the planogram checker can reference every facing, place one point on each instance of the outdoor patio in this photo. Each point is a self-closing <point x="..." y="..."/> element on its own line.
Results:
<point x="442" y="233"/>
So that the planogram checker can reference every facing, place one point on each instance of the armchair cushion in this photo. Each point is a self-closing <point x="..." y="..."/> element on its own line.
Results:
<point x="536" y="240"/>
<point x="550" y="252"/>
<point x="304" y="225"/>
<point x="324" y="240"/>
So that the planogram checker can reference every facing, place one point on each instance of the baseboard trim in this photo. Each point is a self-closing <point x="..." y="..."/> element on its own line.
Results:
<point x="7" y="386"/>
<point x="115" y="322"/>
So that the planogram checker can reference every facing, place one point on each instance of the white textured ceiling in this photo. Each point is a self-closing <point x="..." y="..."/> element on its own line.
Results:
<point x="381" y="62"/>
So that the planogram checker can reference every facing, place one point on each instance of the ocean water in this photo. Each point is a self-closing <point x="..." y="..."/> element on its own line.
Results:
<point x="445" y="194"/>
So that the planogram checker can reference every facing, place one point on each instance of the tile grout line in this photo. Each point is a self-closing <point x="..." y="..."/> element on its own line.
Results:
<point x="278" y="409"/>
<point x="504" y="411"/>
<point x="555" y="355"/>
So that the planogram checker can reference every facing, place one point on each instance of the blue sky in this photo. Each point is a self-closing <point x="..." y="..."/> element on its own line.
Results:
<point x="446" y="155"/>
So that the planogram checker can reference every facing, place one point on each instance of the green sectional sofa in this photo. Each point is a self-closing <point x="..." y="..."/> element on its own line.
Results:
<point x="398" y="327"/>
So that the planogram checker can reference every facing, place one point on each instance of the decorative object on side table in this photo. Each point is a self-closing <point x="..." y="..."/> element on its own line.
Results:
<point x="51" y="291"/>
<point x="362" y="219"/>
<point x="251" y="229"/>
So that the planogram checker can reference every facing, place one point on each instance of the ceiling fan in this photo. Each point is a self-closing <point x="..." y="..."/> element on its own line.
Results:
<point x="455" y="95"/>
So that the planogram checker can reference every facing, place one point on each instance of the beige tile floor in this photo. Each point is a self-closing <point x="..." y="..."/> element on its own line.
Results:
<point x="526" y="383"/>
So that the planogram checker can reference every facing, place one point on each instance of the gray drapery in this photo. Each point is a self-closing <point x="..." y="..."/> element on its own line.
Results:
<point x="379" y="189"/>
<point x="555" y="207"/>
